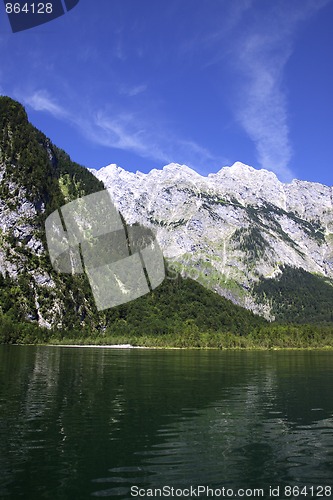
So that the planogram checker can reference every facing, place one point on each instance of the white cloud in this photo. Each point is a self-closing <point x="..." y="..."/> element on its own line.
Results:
<point x="260" y="56"/>
<point x="41" y="101"/>
<point x="124" y="131"/>
<point x="128" y="132"/>
<point x="261" y="106"/>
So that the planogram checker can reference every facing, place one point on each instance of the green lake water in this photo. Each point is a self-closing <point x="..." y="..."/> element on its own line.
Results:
<point x="79" y="423"/>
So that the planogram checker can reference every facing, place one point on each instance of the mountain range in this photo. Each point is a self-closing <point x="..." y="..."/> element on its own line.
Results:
<point x="233" y="231"/>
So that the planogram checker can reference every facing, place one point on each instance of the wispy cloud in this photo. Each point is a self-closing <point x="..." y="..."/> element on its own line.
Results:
<point x="261" y="106"/>
<point x="132" y="91"/>
<point x="119" y="131"/>
<point x="118" y="47"/>
<point x="196" y="156"/>
<point x="40" y="100"/>
<point x="260" y="58"/>
<point x="127" y="131"/>
<point x="131" y="133"/>
<point x="211" y="39"/>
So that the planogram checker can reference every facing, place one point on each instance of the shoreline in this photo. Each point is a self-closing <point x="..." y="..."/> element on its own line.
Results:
<point x="130" y="346"/>
<point x="110" y="346"/>
<point x="106" y="346"/>
<point x="120" y="346"/>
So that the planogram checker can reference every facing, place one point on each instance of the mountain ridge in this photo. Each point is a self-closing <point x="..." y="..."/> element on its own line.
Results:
<point x="237" y="171"/>
<point x="230" y="229"/>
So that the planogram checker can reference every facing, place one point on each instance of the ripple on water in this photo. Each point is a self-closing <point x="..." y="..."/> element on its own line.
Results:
<point x="80" y="422"/>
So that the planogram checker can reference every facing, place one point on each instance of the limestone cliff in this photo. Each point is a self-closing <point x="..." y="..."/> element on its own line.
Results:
<point x="230" y="229"/>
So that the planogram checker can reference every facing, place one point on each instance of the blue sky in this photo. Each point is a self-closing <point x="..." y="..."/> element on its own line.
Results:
<point x="143" y="83"/>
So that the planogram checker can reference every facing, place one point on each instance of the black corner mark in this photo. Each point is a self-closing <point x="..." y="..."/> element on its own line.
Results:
<point x="24" y="15"/>
<point x="70" y="4"/>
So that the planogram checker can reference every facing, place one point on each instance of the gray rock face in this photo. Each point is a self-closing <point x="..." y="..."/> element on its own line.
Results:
<point x="20" y="240"/>
<point x="230" y="228"/>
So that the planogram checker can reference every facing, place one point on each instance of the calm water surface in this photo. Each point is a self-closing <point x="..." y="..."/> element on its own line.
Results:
<point x="80" y="423"/>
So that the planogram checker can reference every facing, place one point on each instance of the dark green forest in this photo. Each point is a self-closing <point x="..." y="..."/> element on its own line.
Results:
<point x="298" y="296"/>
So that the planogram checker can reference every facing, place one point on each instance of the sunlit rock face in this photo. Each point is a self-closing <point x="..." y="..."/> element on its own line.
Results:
<point x="230" y="228"/>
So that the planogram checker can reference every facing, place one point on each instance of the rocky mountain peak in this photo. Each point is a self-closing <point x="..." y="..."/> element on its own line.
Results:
<point x="232" y="228"/>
